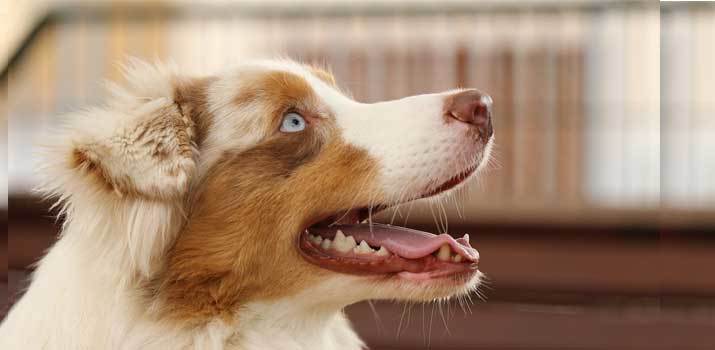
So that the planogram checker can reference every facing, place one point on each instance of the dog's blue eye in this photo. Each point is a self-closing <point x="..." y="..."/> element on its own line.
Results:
<point x="292" y="122"/>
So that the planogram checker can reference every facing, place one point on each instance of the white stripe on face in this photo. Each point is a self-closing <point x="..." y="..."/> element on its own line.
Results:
<point x="417" y="147"/>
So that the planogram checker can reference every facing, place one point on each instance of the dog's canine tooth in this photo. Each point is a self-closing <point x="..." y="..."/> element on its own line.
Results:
<point x="351" y="241"/>
<point x="444" y="253"/>
<point x="325" y="244"/>
<point x="383" y="252"/>
<point x="342" y="243"/>
<point x="457" y="258"/>
<point x="466" y="237"/>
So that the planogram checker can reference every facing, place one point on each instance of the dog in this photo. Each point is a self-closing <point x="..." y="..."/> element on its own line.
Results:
<point x="234" y="211"/>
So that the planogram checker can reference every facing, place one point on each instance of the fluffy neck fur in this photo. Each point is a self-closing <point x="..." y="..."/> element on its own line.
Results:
<point x="85" y="295"/>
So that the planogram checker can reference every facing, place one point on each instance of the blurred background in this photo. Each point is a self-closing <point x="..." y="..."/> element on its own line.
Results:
<point x="596" y="222"/>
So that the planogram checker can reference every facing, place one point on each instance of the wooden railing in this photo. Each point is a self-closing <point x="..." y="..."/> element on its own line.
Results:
<point x="577" y="125"/>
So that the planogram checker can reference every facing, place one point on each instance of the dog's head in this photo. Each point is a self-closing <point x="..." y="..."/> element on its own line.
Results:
<point x="256" y="185"/>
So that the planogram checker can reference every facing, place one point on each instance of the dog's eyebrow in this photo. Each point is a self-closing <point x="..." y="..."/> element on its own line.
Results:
<point x="315" y="109"/>
<point x="323" y="115"/>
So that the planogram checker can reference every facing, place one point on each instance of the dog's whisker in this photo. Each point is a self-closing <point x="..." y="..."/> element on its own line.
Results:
<point x="444" y="320"/>
<point x="434" y="218"/>
<point x="424" y="327"/>
<point x="446" y="217"/>
<point x="409" y="210"/>
<point x="403" y="194"/>
<point x="429" y="334"/>
<point x="378" y="321"/>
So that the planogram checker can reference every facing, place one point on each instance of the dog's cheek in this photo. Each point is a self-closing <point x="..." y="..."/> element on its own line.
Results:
<point x="340" y="177"/>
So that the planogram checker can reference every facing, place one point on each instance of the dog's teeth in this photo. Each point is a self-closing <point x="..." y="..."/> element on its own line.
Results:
<point x="457" y="258"/>
<point x="342" y="243"/>
<point x="316" y="239"/>
<point x="444" y="253"/>
<point x="351" y="241"/>
<point x="363" y="248"/>
<point x="466" y="237"/>
<point x="325" y="244"/>
<point x="383" y="252"/>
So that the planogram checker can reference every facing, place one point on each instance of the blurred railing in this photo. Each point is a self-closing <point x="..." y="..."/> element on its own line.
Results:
<point x="576" y="89"/>
<point x="688" y="105"/>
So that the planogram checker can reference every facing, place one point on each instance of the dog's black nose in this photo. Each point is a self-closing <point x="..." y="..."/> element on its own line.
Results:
<point x="471" y="107"/>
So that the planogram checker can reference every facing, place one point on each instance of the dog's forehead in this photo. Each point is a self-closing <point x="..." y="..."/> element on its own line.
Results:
<point x="329" y="94"/>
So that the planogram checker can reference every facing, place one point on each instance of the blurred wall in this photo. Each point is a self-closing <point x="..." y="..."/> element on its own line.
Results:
<point x="576" y="88"/>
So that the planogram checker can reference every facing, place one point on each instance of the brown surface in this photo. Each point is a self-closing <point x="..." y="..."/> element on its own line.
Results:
<point x="4" y="300"/>
<point x="497" y="325"/>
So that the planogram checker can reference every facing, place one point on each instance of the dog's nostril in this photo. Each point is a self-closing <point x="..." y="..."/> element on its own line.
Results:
<point x="483" y="110"/>
<point x="471" y="107"/>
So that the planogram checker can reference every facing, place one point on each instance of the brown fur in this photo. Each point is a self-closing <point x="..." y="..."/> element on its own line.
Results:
<point x="269" y="194"/>
<point x="276" y="93"/>
<point x="191" y="96"/>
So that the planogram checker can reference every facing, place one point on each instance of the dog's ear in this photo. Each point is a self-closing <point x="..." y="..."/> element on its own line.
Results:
<point x="151" y="155"/>
<point x="142" y="144"/>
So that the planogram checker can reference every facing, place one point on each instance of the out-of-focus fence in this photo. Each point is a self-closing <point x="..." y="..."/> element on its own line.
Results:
<point x="582" y="128"/>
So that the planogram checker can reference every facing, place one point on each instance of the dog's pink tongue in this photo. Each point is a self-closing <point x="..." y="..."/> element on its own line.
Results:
<point x="405" y="242"/>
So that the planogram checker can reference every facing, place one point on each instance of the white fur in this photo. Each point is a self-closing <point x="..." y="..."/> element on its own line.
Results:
<point x="82" y="294"/>
<point x="415" y="148"/>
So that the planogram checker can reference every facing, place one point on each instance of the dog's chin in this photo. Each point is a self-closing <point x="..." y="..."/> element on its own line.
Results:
<point x="431" y="289"/>
<point x="389" y="287"/>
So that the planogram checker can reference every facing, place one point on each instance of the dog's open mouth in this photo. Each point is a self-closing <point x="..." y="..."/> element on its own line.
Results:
<point x="348" y="244"/>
